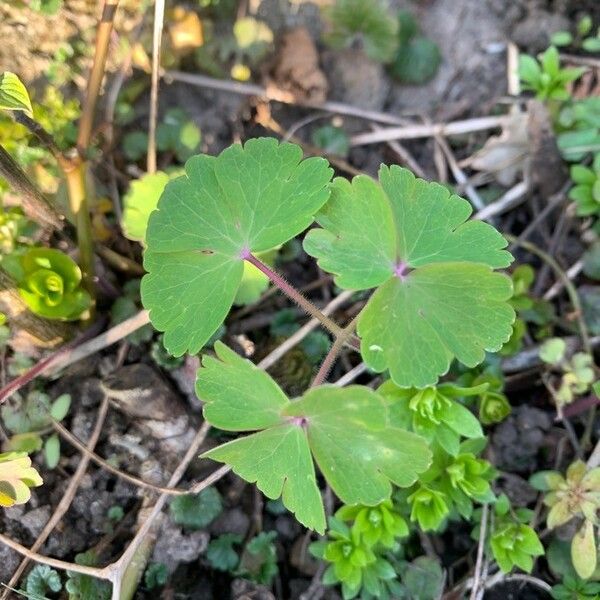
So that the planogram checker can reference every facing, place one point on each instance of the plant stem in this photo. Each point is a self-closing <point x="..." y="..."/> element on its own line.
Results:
<point x="333" y="353"/>
<point x="76" y="189"/>
<point x="105" y="27"/>
<point x="291" y="292"/>
<point x="159" y="16"/>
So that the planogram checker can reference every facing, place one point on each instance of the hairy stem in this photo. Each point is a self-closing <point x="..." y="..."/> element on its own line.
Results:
<point x="291" y="292"/>
<point x="333" y="353"/>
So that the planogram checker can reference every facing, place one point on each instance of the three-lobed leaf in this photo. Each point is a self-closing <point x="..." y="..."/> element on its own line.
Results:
<point x="438" y="296"/>
<point x="250" y="198"/>
<point x="346" y="430"/>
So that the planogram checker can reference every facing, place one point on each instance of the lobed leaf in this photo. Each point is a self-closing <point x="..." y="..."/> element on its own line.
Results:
<point x="346" y="430"/>
<point x="249" y="198"/>
<point x="438" y="297"/>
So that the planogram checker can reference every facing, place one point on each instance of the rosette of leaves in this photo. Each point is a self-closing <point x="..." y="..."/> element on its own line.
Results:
<point x="437" y="295"/>
<point x="27" y="419"/>
<point x="462" y="479"/>
<point x="546" y="77"/>
<point x="322" y="424"/>
<point x="515" y="544"/>
<point x="586" y="191"/>
<point x="434" y="412"/>
<point x="429" y="507"/>
<point x="366" y="24"/>
<point x="577" y="495"/>
<point x="250" y="198"/>
<point x="49" y="282"/>
<point x="17" y="476"/>
<point x="417" y="58"/>
<point x="494" y="406"/>
<point x="577" y="373"/>
<point x="573" y="588"/>
<point x="380" y="524"/>
<point x="353" y="563"/>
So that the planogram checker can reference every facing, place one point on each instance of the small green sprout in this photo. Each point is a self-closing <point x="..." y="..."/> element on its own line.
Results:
<point x="418" y="58"/>
<point x="259" y="558"/>
<point x="515" y="545"/>
<point x="28" y="420"/>
<point x="434" y="413"/>
<point x="379" y="524"/>
<point x="365" y="24"/>
<point x="198" y="510"/>
<point x="358" y="565"/>
<point x="586" y="191"/>
<point x="49" y="282"/>
<point x="546" y="77"/>
<point x="42" y="580"/>
<point x="220" y="553"/>
<point x="583" y="39"/>
<point x="429" y="507"/>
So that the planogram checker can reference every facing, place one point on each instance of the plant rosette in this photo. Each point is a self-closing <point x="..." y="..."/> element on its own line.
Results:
<point x="50" y="284"/>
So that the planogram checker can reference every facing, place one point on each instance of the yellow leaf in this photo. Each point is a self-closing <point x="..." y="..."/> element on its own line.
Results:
<point x="583" y="551"/>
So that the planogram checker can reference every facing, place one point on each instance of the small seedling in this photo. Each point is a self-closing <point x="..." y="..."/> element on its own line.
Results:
<point x="586" y="191"/>
<point x="363" y="24"/>
<point x="546" y="77"/>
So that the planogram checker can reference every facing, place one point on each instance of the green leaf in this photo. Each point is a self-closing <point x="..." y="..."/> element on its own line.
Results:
<point x="60" y="407"/>
<point x="196" y="511"/>
<point x="52" y="451"/>
<point x="41" y="580"/>
<point x="417" y="61"/>
<point x="333" y="140"/>
<point x="249" y="198"/>
<point x="220" y="553"/>
<point x="156" y="576"/>
<point x="140" y="200"/>
<point x="552" y="351"/>
<point x="591" y="44"/>
<point x="438" y="297"/>
<point x="561" y="38"/>
<point x="326" y="421"/>
<point x="13" y="94"/>
<point x="424" y="578"/>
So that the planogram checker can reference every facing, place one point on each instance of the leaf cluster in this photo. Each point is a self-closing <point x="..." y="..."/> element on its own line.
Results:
<point x="29" y="418"/>
<point x="575" y="496"/>
<point x="356" y="552"/>
<point x="586" y="190"/>
<point x="512" y="542"/>
<point x="49" y="282"/>
<point x="583" y="39"/>
<point x="176" y="133"/>
<point x="546" y="77"/>
<point x="577" y="373"/>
